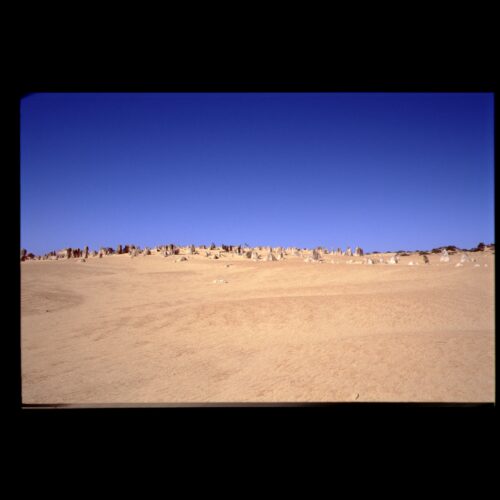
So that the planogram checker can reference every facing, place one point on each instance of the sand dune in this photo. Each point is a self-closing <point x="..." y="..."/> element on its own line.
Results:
<point x="152" y="330"/>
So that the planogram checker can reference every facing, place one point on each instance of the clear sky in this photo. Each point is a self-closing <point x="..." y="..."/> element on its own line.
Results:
<point x="383" y="171"/>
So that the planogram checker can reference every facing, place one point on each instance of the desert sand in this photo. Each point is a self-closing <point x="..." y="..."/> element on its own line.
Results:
<point x="153" y="330"/>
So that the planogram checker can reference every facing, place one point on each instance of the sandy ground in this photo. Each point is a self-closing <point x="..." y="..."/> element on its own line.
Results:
<point x="152" y="330"/>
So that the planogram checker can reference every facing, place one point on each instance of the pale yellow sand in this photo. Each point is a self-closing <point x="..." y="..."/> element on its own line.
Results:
<point x="148" y="329"/>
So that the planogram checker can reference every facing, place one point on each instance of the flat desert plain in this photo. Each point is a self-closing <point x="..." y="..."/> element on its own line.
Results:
<point x="153" y="330"/>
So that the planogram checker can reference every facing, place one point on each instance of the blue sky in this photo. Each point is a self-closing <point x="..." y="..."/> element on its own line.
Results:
<point x="385" y="171"/>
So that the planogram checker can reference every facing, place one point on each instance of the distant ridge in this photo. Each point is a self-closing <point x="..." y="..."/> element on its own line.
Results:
<point x="170" y="249"/>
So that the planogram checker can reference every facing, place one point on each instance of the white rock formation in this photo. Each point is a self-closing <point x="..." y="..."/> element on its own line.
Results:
<point x="464" y="258"/>
<point x="393" y="260"/>
<point x="444" y="256"/>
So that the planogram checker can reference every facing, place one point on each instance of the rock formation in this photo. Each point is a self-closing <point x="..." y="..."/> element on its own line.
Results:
<point x="444" y="256"/>
<point x="464" y="258"/>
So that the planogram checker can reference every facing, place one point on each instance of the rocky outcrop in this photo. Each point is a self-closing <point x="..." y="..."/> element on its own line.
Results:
<point x="464" y="258"/>
<point x="444" y="256"/>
